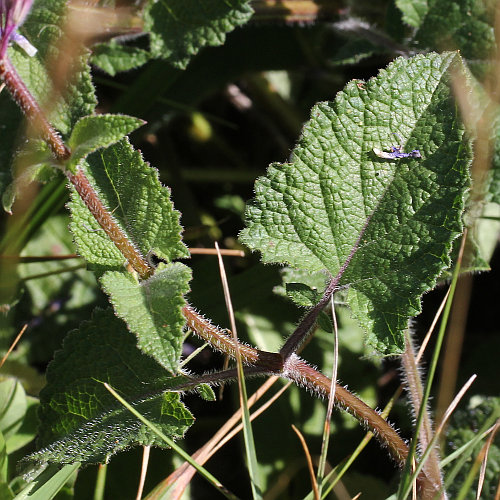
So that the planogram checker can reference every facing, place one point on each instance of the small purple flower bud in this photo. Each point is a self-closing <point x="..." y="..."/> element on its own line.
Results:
<point x="12" y="15"/>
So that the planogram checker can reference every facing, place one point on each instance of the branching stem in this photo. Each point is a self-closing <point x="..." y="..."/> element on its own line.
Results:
<point x="294" y="369"/>
<point x="264" y="363"/>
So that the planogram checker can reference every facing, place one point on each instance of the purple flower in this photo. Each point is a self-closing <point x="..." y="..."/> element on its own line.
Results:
<point x="12" y="15"/>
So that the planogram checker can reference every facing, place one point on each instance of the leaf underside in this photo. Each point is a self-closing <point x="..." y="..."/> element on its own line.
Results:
<point x="309" y="213"/>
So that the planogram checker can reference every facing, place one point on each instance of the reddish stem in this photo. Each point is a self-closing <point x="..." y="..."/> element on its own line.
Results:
<point x="108" y="223"/>
<point x="32" y="110"/>
<point x="224" y="342"/>
<point x="305" y="327"/>
<point x="297" y="370"/>
<point x="37" y="118"/>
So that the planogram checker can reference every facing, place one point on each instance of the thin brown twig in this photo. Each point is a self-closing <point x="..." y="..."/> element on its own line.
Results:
<point x="38" y="258"/>
<point x="144" y="469"/>
<point x="13" y="345"/>
<point x="314" y="483"/>
<point x="485" y="451"/>
<point x="183" y="474"/>
<point x="211" y="251"/>
<point x="106" y="220"/>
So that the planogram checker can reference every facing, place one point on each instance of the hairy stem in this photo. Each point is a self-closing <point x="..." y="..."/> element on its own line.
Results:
<point x="32" y="110"/>
<point x="414" y="387"/>
<point x="298" y="371"/>
<point x="264" y="363"/>
<point x="295" y="369"/>
<point x="222" y="341"/>
<point x="41" y="125"/>
<point x="108" y="223"/>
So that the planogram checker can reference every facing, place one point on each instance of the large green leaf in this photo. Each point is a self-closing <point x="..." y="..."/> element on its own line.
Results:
<point x="310" y="212"/>
<point x="130" y="189"/>
<point x="80" y="419"/>
<point x="152" y="309"/>
<point x="179" y="28"/>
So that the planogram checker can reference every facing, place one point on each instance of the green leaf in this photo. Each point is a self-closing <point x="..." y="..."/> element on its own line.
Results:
<point x="180" y="28"/>
<point x="206" y="392"/>
<point x="35" y="162"/>
<point x="28" y="430"/>
<point x="78" y="94"/>
<point x="310" y="212"/>
<point x="49" y="481"/>
<point x="4" y="460"/>
<point x="291" y="276"/>
<point x="466" y="25"/>
<point x="354" y="51"/>
<point x="36" y="77"/>
<point x="12" y="406"/>
<point x="95" y="132"/>
<point x="5" y="492"/>
<point x="302" y="294"/>
<point x="465" y="426"/>
<point x="325" y="322"/>
<point x="414" y="11"/>
<point x="131" y="191"/>
<point x="494" y="176"/>
<point x="152" y="309"/>
<point x="80" y="419"/>
<point x="114" y="57"/>
<point x="486" y="234"/>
